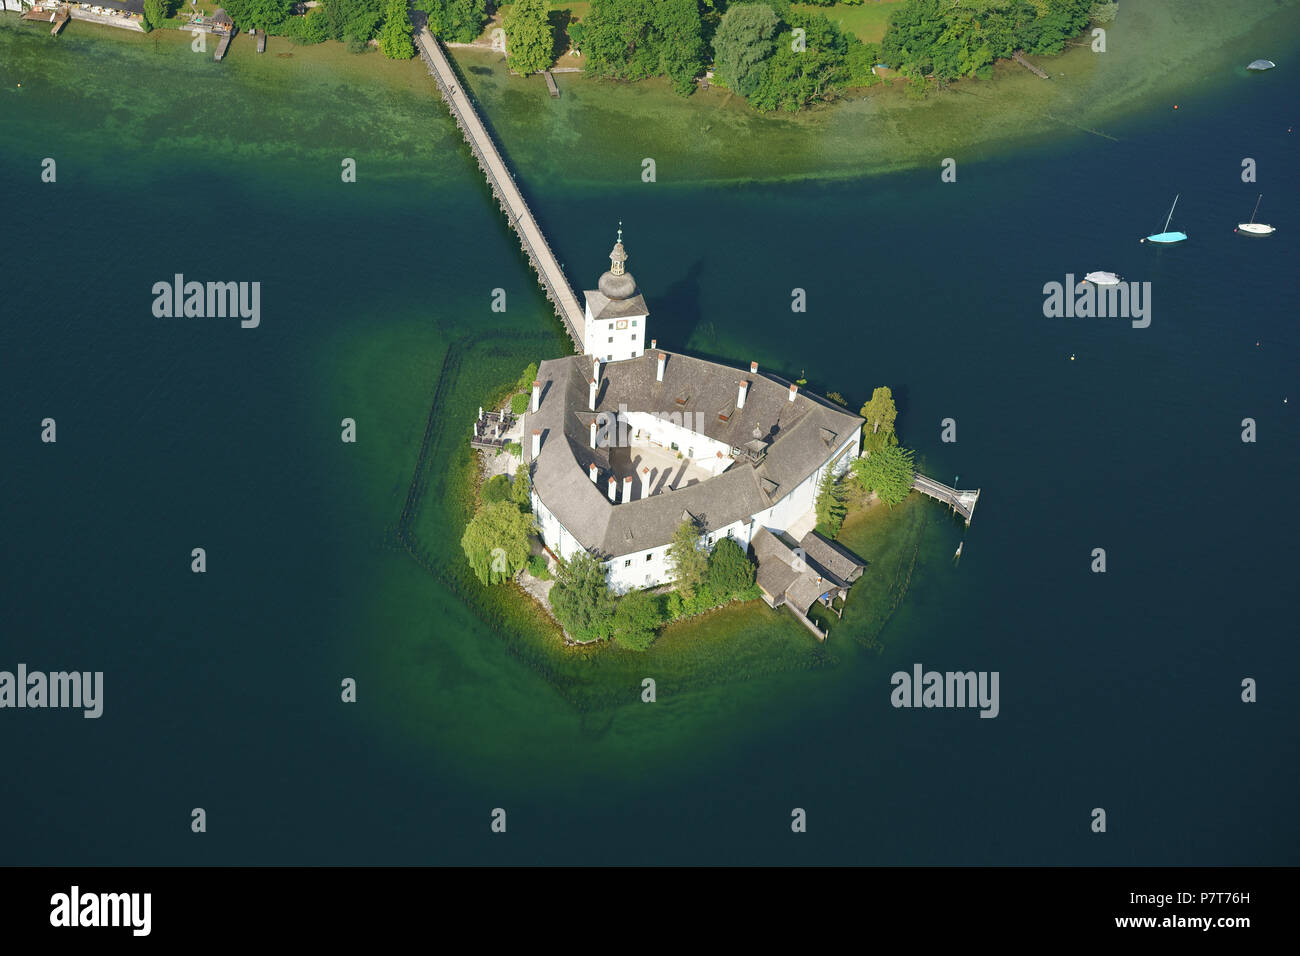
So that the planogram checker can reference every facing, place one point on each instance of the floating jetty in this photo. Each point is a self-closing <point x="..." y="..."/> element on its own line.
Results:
<point x="550" y="83"/>
<point x="223" y="46"/>
<point x="59" y="17"/>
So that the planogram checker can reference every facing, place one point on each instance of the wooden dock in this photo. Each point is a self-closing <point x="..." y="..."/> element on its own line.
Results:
<point x="261" y="42"/>
<point x="501" y="181"/>
<point x="59" y="17"/>
<point x="1019" y="57"/>
<point x="223" y="46"/>
<point x="550" y="83"/>
<point x="962" y="502"/>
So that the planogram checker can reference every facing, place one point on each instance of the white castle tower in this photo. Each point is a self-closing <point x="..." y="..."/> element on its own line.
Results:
<point x="616" y="312"/>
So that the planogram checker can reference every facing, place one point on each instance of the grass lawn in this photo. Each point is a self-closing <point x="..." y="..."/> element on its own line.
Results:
<point x="866" y="20"/>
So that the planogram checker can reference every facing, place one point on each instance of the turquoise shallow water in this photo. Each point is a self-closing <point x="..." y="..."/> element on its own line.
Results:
<point x="1118" y="690"/>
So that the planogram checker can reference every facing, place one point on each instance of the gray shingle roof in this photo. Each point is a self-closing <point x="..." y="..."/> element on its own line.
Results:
<point x="801" y="437"/>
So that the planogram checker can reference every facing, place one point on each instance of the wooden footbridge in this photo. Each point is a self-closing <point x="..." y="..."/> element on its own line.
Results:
<point x="501" y="181"/>
<point x="962" y="502"/>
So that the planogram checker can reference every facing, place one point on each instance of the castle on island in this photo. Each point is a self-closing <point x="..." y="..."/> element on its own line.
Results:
<point x="627" y="440"/>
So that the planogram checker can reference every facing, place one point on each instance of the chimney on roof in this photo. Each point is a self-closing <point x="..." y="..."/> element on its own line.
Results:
<point x="659" y="368"/>
<point x="593" y="433"/>
<point x="740" y="395"/>
<point x="654" y="343"/>
<point x="591" y="470"/>
<point x="591" y="394"/>
<point x="645" y="482"/>
<point x="627" y="489"/>
<point x="537" y="442"/>
<point x="753" y="368"/>
<point x="794" y="390"/>
<point x="613" y="488"/>
<point x="595" y="367"/>
<point x="537" y="395"/>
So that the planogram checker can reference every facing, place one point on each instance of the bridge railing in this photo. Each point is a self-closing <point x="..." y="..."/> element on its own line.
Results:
<point x="508" y="194"/>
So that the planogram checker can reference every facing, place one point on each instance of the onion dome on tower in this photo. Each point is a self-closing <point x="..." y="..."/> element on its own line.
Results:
<point x="617" y="284"/>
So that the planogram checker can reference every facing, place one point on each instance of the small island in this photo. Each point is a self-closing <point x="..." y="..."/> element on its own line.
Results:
<point x="630" y="486"/>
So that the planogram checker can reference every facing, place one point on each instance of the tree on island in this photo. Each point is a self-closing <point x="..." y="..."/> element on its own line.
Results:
<point x="582" y="600"/>
<point x="742" y="45"/>
<point x="888" y="472"/>
<point x="455" y="21"/>
<point x="880" y="414"/>
<point x="636" y="620"/>
<point x="730" y="572"/>
<point x="831" y="506"/>
<point x="395" y="35"/>
<point x="530" y="41"/>
<point x="687" y="559"/>
<point x="496" y="541"/>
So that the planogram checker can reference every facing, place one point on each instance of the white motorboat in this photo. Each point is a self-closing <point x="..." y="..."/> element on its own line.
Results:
<point x="1102" y="278"/>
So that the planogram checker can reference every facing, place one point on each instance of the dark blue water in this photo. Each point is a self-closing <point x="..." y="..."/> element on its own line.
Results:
<point x="1118" y="690"/>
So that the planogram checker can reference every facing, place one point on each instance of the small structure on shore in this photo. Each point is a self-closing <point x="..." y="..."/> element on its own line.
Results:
<point x="816" y="571"/>
<point x="221" y="22"/>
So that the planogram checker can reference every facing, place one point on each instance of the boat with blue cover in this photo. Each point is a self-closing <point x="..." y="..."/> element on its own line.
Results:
<point x="1166" y="236"/>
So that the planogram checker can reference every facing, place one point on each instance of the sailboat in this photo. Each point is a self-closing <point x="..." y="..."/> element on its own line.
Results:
<point x="1254" y="228"/>
<point x="1167" y="236"/>
<point x="1261" y="65"/>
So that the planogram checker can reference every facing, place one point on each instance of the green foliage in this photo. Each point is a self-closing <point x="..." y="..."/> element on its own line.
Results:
<point x="537" y="567"/>
<point x="353" y="22"/>
<point x="530" y="42"/>
<point x="946" y="40"/>
<point x="457" y="21"/>
<point x="155" y="12"/>
<point x="496" y="541"/>
<point x="514" y="448"/>
<point x="859" y="61"/>
<point x="742" y="44"/>
<point x="526" y="380"/>
<point x="635" y="39"/>
<point x="837" y="398"/>
<point x="636" y="619"/>
<point x="687" y="559"/>
<point x="1102" y="12"/>
<point x="880" y="413"/>
<point x="521" y="489"/>
<point x="268" y="15"/>
<point x="577" y="34"/>
<point x="519" y="403"/>
<point x="888" y="472"/>
<point x="831" y="505"/>
<point x="730" y="571"/>
<point x="315" y="27"/>
<point x="582" y="600"/>
<point x="395" y="35"/>
<point x="497" y="488"/>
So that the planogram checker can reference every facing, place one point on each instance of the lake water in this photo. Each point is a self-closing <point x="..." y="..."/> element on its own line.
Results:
<point x="1118" y="690"/>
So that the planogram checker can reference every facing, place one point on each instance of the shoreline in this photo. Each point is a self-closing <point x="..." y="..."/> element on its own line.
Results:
<point x="1016" y="111"/>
